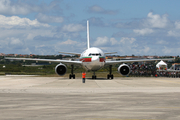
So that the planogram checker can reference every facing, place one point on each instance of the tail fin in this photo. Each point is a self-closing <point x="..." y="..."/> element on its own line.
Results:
<point x="88" y="46"/>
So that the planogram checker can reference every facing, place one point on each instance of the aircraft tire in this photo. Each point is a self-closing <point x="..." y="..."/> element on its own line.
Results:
<point x="93" y="77"/>
<point x="107" y="76"/>
<point x="112" y="76"/>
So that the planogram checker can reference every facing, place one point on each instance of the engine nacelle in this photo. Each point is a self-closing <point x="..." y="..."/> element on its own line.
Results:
<point x="60" y="69"/>
<point x="124" y="69"/>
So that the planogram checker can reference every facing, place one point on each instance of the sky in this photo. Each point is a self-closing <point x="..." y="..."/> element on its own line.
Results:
<point x="128" y="27"/>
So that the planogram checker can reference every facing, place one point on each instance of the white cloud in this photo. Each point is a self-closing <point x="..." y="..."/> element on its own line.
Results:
<point x="177" y="24"/>
<point x="156" y="21"/>
<point x="17" y="21"/>
<point x="98" y="9"/>
<point x="69" y="42"/>
<point x="126" y="40"/>
<point x="24" y="7"/>
<point x="101" y="41"/>
<point x="146" y="49"/>
<point x="16" y="41"/>
<point x="73" y="28"/>
<point x="161" y="42"/>
<point x="143" y="31"/>
<point x="11" y="8"/>
<point x="49" y="19"/>
<point x="113" y="41"/>
<point x="174" y="33"/>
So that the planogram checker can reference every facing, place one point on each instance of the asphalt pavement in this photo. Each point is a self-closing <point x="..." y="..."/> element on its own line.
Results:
<point x="123" y="98"/>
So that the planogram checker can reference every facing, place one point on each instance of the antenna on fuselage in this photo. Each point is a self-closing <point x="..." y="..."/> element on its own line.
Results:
<point x="88" y="46"/>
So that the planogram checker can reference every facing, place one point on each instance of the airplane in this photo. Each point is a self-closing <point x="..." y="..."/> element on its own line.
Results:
<point x="92" y="59"/>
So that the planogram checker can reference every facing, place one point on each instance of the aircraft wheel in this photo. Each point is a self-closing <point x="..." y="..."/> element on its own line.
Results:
<point x="73" y="76"/>
<point x="93" y="77"/>
<point x="107" y="76"/>
<point x="112" y="76"/>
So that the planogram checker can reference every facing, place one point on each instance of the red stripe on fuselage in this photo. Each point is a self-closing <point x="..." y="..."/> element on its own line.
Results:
<point x="101" y="59"/>
<point x="85" y="59"/>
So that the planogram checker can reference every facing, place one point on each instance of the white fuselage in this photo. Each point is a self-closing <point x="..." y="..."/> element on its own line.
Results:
<point x="93" y="59"/>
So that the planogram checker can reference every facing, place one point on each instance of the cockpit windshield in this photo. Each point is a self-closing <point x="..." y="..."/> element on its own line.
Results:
<point x="95" y="54"/>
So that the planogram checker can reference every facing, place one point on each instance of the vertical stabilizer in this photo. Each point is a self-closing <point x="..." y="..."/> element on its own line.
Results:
<point x="88" y="46"/>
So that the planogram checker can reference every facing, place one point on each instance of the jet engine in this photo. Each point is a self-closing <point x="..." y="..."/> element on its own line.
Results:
<point x="124" y="69"/>
<point x="60" y="69"/>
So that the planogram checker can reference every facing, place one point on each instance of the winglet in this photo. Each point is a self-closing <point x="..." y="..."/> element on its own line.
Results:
<point x="88" y="46"/>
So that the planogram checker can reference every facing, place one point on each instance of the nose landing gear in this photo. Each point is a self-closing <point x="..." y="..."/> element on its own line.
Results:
<point x="94" y="76"/>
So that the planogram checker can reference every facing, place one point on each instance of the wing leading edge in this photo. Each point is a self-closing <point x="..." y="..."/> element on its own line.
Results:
<point x="137" y="60"/>
<point x="46" y="60"/>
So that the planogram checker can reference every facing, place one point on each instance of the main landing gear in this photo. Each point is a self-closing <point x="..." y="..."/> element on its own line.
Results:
<point x="110" y="75"/>
<point x="72" y="75"/>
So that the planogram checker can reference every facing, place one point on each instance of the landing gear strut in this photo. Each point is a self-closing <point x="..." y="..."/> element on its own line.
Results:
<point x="110" y="75"/>
<point x="94" y="76"/>
<point x="72" y="75"/>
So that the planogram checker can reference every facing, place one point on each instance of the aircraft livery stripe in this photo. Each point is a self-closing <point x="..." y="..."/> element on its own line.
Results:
<point x="101" y="59"/>
<point x="86" y="59"/>
<point x="89" y="59"/>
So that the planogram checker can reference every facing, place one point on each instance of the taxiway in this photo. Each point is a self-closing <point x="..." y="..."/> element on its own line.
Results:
<point x="125" y="98"/>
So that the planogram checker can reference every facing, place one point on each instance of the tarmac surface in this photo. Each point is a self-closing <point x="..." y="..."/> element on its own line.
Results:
<point x="124" y="98"/>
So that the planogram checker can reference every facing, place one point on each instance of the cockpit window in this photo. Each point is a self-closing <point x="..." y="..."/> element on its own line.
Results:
<point x="94" y="54"/>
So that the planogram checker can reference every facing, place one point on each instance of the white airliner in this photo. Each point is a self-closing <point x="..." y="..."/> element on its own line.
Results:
<point x="91" y="59"/>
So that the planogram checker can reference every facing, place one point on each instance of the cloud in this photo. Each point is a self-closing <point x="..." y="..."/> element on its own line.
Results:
<point x="101" y="41"/>
<point x="49" y="19"/>
<point x="97" y="21"/>
<point x="73" y="28"/>
<point x="70" y="46"/>
<point x="113" y="41"/>
<point x="21" y="22"/>
<point x="177" y="24"/>
<point x="69" y="42"/>
<point x="145" y="31"/>
<point x="156" y="21"/>
<point x="125" y="40"/>
<point x="100" y="10"/>
<point x="161" y="42"/>
<point x="22" y="7"/>
<point x="174" y="33"/>
<point x="8" y="7"/>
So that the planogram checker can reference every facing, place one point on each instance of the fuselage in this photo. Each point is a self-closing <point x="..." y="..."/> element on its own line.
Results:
<point x="93" y="59"/>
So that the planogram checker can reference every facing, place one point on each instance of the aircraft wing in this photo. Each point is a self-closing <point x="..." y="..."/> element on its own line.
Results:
<point x="70" y="53"/>
<point x="46" y="60"/>
<point x="110" y="53"/>
<point x="136" y="60"/>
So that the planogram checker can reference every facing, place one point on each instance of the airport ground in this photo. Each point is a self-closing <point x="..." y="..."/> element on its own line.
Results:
<point x="123" y="98"/>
